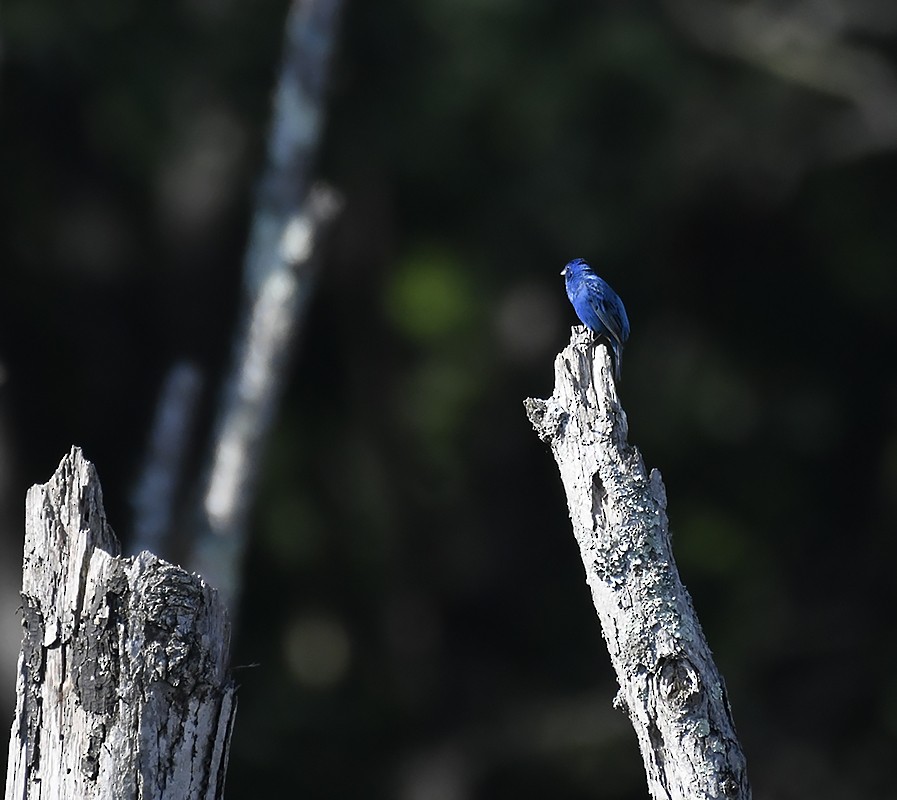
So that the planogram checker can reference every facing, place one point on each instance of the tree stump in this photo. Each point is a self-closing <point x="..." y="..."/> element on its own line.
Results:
<point x="123" y="689"/>
<point x="669" y="684"/>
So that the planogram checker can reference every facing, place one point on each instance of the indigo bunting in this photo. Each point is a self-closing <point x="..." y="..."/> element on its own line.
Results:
<point x="598" y="306"/>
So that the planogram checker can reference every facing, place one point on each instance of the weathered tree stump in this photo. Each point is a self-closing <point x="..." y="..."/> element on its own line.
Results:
<point x="669" y="684"/>
<point x="123" y="689"/>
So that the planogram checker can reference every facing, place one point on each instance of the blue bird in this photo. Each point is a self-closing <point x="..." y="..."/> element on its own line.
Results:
<point x="598" y="306"/>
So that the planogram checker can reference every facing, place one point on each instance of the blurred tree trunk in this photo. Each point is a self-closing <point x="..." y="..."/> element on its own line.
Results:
<point x="290" y="218"/>
<point x="122" y="689"/>
<point x="669" y="685"/>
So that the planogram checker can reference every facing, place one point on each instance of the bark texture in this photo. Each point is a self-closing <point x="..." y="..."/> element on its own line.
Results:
<point x="122" y="689"/>
<point x="669" y="684"/>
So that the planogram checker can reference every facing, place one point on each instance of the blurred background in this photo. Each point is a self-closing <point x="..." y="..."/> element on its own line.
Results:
<point x="414" y="621"/>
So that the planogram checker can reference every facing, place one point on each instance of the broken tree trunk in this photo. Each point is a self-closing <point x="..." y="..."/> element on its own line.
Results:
<point x="123" y="690"/>
<point x="669" y="684"/>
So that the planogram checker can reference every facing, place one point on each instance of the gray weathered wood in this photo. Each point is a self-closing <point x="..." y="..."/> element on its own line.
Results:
<point x="123" y="688"/>
<point x="669" y="684"/>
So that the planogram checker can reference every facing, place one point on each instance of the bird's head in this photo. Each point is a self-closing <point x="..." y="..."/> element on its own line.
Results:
<point x="575" y="267"/>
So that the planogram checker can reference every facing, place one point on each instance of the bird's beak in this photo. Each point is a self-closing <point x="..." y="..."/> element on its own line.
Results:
<point x="564" y="271"/>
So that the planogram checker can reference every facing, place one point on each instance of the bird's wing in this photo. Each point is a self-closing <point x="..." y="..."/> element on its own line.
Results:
<point x="609" y="309"/>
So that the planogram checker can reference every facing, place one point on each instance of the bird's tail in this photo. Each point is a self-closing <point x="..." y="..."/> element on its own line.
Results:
<point x="618" y="359"/>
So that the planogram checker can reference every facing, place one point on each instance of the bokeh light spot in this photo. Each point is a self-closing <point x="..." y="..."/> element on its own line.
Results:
<point x="317" y="650"/>
<point x="429" y="296"/>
